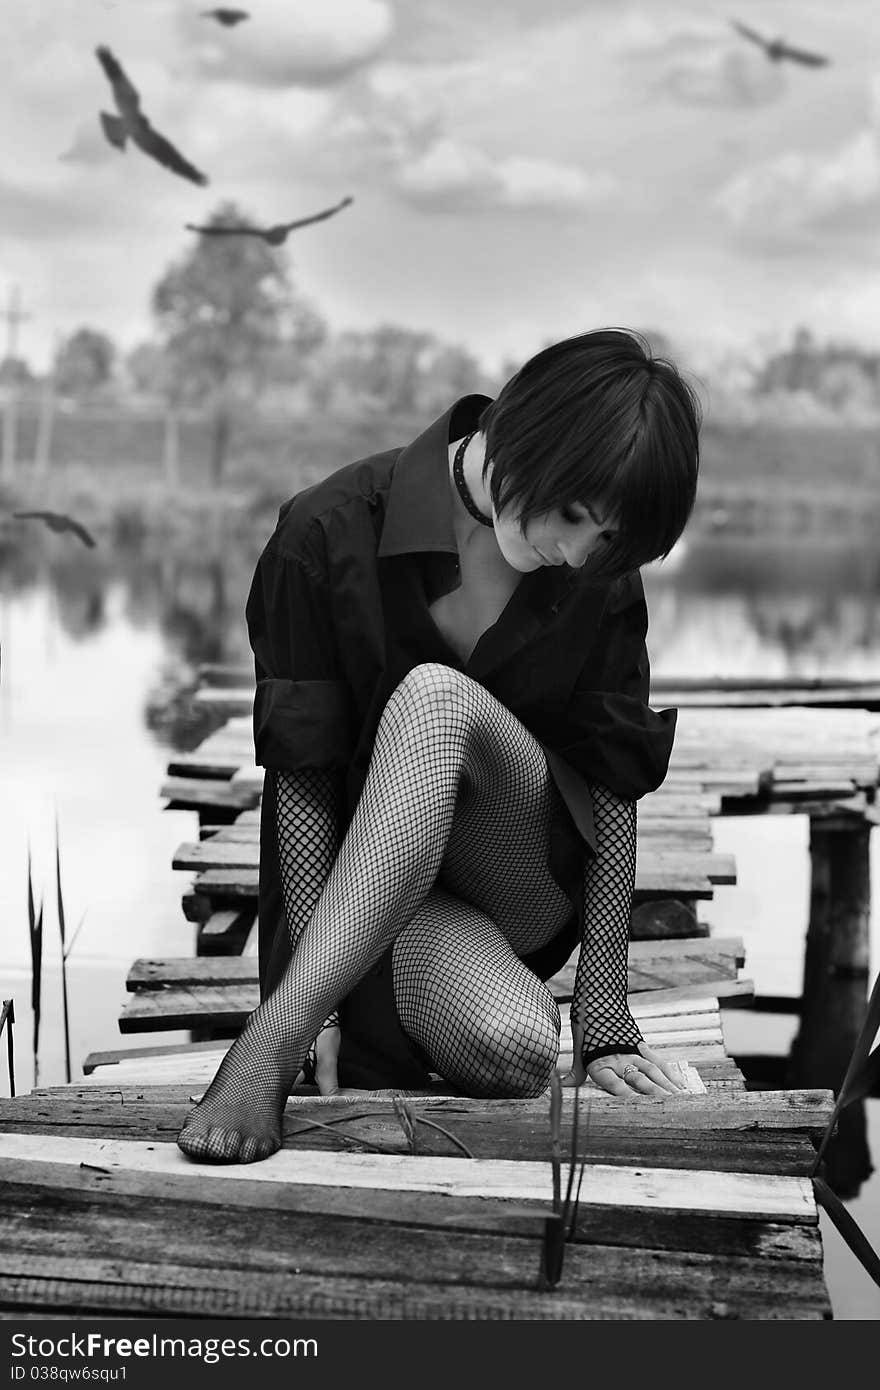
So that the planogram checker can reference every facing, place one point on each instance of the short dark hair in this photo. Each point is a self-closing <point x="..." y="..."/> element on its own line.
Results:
<point x="594" y="420"/>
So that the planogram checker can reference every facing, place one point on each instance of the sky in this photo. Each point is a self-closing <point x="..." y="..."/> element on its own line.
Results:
<point x="520" y="172"/>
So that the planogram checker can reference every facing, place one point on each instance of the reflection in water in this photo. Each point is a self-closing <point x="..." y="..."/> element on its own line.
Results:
<point x="774" y="608"/>
<point x="192" y="594"/>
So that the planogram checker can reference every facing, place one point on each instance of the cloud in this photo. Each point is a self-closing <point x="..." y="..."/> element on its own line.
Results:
<point x="721" y="79"/>
<point x="288" y="43"/>
<point x="797" y="192"/>
<point x="698" y="64"/>
<point x="88" y="146"/>
<point x="451" y="175"/>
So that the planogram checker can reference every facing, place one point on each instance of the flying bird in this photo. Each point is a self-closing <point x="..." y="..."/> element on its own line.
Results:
<point x="57" y="521"/>
<point x="273" y="235"/>
<point x="132" y="124"/>
<point x="227" y="17"/>
<point x="777" y="49"/>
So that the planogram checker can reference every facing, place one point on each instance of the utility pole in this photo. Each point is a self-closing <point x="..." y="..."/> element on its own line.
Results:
<point x="13" y="316"/>
<point x="46" y="416"/>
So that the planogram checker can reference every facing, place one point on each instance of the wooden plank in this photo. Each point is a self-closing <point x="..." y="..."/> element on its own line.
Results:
<point x="190" y="793"/>
<point x="108" y="1058"/>
<point x="757" y="1196"/>
<point x="669" y="964"/>
<point x="661" y="683"/>
<point x="652" y="881"/>
<point x="681" y="833"/>
<point x="206" y="764"/>
<point x="224" y="989"/>
<point x="603" y="1225"/>
<point x="232" y="700"/>
<point x="147" y="973"/>
<point x="517" y="1128"/>
<point x="225" y="922"/>
<point x="600" y="1283"/>
<point x="167" y="1009"/>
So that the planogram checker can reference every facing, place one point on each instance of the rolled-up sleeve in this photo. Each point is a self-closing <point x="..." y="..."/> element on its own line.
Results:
<point x="609" y="732"/>
<point x="303" y="713"/>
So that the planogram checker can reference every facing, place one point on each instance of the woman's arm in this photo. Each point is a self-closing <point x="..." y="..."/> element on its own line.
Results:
<point x="605" y="1036"/>
<point x="307" y="820"/>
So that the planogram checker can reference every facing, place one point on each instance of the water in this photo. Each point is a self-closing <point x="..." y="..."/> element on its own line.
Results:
<point x="98" y="651"/>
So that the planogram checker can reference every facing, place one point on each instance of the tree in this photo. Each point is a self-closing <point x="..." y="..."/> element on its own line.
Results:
<point x="450" y="372"/>
<point x="383" y="367"/>
<point x="223" y="312"/>
<point x="84" y="363"/>
<point x="149" y="371"/>
<point x="15" y="371"/>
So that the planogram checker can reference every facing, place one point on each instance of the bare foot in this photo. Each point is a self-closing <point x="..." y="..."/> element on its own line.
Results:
<point x="238" y="1120"/>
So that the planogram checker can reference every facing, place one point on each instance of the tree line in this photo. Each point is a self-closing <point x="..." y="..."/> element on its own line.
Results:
<point x="230" y="327"/>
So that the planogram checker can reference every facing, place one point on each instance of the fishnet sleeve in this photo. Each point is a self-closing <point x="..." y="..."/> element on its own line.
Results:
<point x="307" y="818"/>
<point x="599" y="997"/>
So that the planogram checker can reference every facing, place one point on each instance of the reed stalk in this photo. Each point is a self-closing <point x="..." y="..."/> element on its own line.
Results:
<point x="7" y="1018"/>
<point x="561" y="1225"/>
<point x="35" y="926"/>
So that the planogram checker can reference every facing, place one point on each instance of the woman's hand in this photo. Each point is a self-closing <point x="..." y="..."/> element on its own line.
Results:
<point x="327" y="1054"/>
<point x="641" y="1073"/>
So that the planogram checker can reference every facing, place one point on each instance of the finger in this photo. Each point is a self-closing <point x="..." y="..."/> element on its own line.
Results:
<point x="608" y="1080"/>
<point x="640" y="1083"/>
<point x="670" y="1070"/>
<point x="660" y="1078"/>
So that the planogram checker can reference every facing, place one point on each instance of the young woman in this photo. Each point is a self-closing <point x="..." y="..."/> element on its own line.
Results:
<point x="451" y="708"/>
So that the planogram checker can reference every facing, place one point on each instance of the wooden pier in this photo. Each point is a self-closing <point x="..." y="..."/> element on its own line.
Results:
<point x="431" y="1205"/>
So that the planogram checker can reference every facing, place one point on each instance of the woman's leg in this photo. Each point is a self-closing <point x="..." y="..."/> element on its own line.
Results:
<point x="444" y="746"/>
<point x="488" y="1024"/>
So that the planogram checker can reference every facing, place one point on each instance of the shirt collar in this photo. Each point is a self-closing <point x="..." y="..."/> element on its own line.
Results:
<point x="418" y="513"/>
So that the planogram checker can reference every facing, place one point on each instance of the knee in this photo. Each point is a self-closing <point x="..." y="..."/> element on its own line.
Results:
<point x="520" y="1059"/>
<point x="430" y="688"/>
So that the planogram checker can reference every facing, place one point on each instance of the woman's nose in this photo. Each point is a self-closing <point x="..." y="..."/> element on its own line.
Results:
<point x="577" y="552"/>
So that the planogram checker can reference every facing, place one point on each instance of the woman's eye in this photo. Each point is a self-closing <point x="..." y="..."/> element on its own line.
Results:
<point x="570" y="516"/>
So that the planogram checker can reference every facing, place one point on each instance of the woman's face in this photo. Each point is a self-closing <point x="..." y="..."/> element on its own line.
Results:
<point x="568" y="535"/>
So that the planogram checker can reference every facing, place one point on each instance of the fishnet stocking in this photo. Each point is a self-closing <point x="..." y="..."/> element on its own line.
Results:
<point x="450" y="764"/>
<point x="599" y="997"/>
<point x="488" y="1024"/>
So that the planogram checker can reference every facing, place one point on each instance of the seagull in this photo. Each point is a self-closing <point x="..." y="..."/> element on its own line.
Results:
<point x="132" y="124"/>
<point x="273" y="235"/>
<point x="777" y="49"/>
<point x="57" y="521"/>
<point x="227" y="17"/>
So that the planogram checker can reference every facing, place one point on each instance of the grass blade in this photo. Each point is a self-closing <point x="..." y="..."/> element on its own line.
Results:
<point x="7" y="1018"/>
<point x="561" y="1226"/>
<point x="405" y="1117"/>
<point x="555" y="1139"/>
<point x="59" y="898"/>
<point x="850" y="1230"/>
<point x="35" y="927"/>
<point x="432" y="1124"/>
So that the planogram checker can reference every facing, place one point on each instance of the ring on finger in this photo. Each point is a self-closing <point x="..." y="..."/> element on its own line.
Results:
<point x="628" y="1069"/>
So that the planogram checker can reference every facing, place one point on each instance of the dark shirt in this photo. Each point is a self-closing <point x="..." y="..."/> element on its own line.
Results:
<point x="338" y="613"/>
